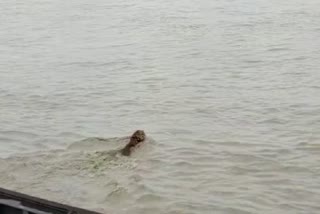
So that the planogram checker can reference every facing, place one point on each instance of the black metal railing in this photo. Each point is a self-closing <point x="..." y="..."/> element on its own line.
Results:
<point x="12" y="202"/>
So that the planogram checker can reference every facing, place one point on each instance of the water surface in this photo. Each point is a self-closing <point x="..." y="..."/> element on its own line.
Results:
<point x="226" y="90"/>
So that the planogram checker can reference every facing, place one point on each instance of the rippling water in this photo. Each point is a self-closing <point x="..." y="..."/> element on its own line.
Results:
<point x="227" y="91"/>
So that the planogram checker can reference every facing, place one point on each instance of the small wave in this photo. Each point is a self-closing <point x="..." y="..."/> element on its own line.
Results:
<point x="278" y="49"/>
<point x="100" y="144"/>
<point x="18" y="134"/>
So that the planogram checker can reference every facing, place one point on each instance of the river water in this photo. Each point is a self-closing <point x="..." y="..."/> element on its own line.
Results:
<point x="227" y="92"/>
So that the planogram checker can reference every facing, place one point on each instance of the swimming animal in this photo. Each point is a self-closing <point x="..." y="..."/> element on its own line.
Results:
<point x="135" y="140"/>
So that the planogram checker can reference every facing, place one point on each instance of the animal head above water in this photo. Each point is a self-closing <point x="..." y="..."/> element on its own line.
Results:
<point x="139" y="136"/>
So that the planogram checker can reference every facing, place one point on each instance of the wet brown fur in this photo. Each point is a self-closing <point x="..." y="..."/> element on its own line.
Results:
<point x="137" y="137"/>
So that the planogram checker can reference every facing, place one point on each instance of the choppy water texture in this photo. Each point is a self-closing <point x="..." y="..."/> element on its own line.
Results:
<point x="228" y="91"/>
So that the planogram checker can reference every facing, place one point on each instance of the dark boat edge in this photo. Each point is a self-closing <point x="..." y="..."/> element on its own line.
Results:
<point x="12" y="202"/>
